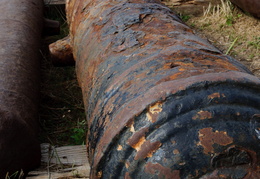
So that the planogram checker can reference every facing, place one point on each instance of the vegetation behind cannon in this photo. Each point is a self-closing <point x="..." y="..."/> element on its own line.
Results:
<point x="160" y="101"/>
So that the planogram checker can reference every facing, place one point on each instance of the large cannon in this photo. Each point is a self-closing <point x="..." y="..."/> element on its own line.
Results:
<point x="160" y="101"/>
<point x="20" y="34"/>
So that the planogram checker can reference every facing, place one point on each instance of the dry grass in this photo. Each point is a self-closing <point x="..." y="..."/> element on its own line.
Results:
<point x="233" y="32"/>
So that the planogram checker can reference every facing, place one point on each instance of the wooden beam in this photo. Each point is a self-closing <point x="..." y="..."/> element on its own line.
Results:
<point x="81" y="172"/>
<point x="58" y="162"/>
<point x="66" y="155"/>
<point x="54" y="2"/>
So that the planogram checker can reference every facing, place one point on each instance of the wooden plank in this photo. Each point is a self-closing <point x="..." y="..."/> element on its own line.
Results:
<point x="54" y="2"/>
<point x="77" y="172"/>
<point x="67" y="155"/>
<point x="58" y="162"/>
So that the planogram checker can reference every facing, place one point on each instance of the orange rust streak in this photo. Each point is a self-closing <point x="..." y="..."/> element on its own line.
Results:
<point x="208" y="138"/>
<point x="153" y="112"/>
<point x="147" y="149"/>
<point x="203" y="115"/>
<point x="214" y="95"/>
<point x="132" y="128"/>
<point x="149" y="117"/>
<point x="127" y="175"/>
<point x="184" y="64"/>
<point x="176" y="151"/>
<point x="137" y="139"/>
<point x="174" y="76"/>
<point x="119" y="148"/>
<point x="156" y="108"/>
<point x="226" y="65"/>
<point x="127" y="164"/>
<point x="138" y="145"/>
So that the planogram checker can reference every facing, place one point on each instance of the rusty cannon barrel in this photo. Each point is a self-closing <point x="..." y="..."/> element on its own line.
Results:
<point x="250" y="6"/>
<point x="20" y="34"/>
<point x="160" y="101"/>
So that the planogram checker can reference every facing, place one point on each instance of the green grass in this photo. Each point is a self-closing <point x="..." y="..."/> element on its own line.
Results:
<point x="255" y="43"/>
<point x="184" y="18"/>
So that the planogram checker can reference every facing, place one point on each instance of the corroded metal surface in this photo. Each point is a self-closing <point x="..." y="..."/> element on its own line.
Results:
<point x="160" y="101"/>
<point x="251" y="6"/>
<point x="20" y="32"/>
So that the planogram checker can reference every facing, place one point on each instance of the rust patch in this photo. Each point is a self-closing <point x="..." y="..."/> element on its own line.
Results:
<point x="119" y="147"/>
<point x="99" y="174"/>
<point x="132" y="128"/>
<point x="138" y="144"/>
<point x="203" y="115"/>
<point x="137" y="139"/>
<point x="207" y="138"/>
<point x="149" y="117"/>
<point x="176" y="151"/>
<point x="127" y="164"/>
<point x="127" y="175"/>
<point x="156" y="108"/>
<point x="147" y="149"/>
<point x="162" y="171"/>
<point x="130" y="124"/>
<point x="216" y="95"/>
<point x="154" y="111"/>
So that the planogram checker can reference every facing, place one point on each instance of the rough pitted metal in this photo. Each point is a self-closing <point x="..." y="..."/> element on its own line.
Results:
<point x="160" y="101"/>
<point x="20" y="33"/>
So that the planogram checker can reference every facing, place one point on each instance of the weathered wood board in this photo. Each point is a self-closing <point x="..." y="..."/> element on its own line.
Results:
<point x="60" y="162"/>
<point x="81" y="172"/>
<point x="67" y="155"/>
